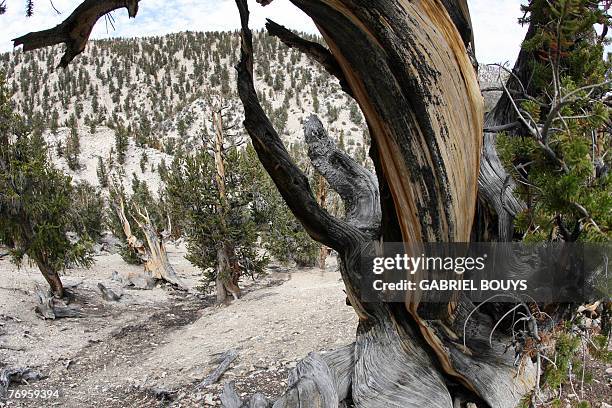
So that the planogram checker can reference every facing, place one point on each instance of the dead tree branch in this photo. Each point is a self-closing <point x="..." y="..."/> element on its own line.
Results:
<point x="357" y="186"/>
<point x="502" y="128"/>
<point x="75" y="30"/>
<point x="314" y="50"/>
<point x="291" y="182"/>
<point x="226" y="359"/>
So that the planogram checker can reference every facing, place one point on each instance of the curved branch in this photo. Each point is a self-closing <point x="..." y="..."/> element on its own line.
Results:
<point x="75" y="30"/>
<point x="502" y="128"/>
<point x="291" y="182"/>
<point x="357" y="186"/>
<point x="312" y="49"/>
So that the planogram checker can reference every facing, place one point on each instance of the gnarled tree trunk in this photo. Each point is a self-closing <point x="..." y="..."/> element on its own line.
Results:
<point x="226" y="281"/>
<point x="228" y="270"/>
<point x="420" y="96"/>
<point x="153" y="254"/>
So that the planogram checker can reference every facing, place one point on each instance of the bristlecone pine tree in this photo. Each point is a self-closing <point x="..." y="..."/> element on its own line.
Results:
<point x="209" y="192"/>
<point x="42" y="220"/>
<point x="561" y="163"/>
<point x="410" y="67"/>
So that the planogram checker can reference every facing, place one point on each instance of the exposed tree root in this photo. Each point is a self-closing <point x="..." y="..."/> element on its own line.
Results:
<point x="52" y="308"/>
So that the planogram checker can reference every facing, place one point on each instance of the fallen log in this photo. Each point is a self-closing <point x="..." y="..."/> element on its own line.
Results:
<point x="226" y="359"/>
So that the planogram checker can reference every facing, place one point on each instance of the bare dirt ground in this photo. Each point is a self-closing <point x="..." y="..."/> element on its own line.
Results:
<point x="153" y="347"/>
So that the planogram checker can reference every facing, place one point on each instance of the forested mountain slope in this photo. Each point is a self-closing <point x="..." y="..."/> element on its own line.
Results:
<point x="144" y="98"/>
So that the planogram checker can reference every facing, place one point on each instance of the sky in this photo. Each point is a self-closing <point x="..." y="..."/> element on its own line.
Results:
<point x="497" y="33"/>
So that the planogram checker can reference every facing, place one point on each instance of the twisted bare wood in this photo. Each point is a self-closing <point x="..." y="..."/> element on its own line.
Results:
<point x="75" y="30"/>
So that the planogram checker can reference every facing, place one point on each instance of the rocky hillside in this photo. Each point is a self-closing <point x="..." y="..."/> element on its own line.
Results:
<point x="158" y="93"/>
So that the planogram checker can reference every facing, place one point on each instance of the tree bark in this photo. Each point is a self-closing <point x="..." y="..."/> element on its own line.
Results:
<point x="52" y="278"/>
<point x="226" y="281"/>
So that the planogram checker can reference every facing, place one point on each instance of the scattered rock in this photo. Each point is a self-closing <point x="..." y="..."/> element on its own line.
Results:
<point x="51" y="308"/>
<point x="137" y="281"/>
<point x="17" y="375"/>
<point x="162" y="394"/>
<point x="260" y="365"/>
<point x="108" y="294"/>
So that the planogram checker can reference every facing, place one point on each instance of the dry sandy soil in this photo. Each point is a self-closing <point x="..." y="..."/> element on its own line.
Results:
<point x="121" y="354"/>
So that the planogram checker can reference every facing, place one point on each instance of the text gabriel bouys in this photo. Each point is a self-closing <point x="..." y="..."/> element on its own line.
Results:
<point x="451" y="284"/>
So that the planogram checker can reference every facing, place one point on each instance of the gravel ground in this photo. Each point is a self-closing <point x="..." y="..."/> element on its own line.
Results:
<point x="152" y="348"/>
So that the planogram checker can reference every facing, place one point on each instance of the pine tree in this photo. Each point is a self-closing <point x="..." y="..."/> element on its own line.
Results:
<point x="562" y="172"/>
<point x="72" y="149"/>
<point x="121" y="143"/>
<point x="144" y="159"/>
<point x="211" y="195"/>
<point x="89" y="217"/>
<point x="283" y="236"/>
<point x="102" y="173"/>
<point x="54" y="122"/>
<point x="355" y="114"/>
<point x="315" y="99"/>
<point x="37" y="205"/>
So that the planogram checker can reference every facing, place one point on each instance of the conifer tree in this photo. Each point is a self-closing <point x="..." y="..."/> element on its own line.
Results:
<point x="89" y="206"/>
<point x="121" y="143"/>
<point x="39" y="220"/>
<point x="72" y="149"/>
<point x="210" y="192"/>
<point x="102" y="173"/>
<point x="283" y="236"/>
<point x="562" y="164"/>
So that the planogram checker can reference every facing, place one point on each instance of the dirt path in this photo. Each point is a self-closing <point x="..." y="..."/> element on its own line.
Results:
<point x="128" y="353"/>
